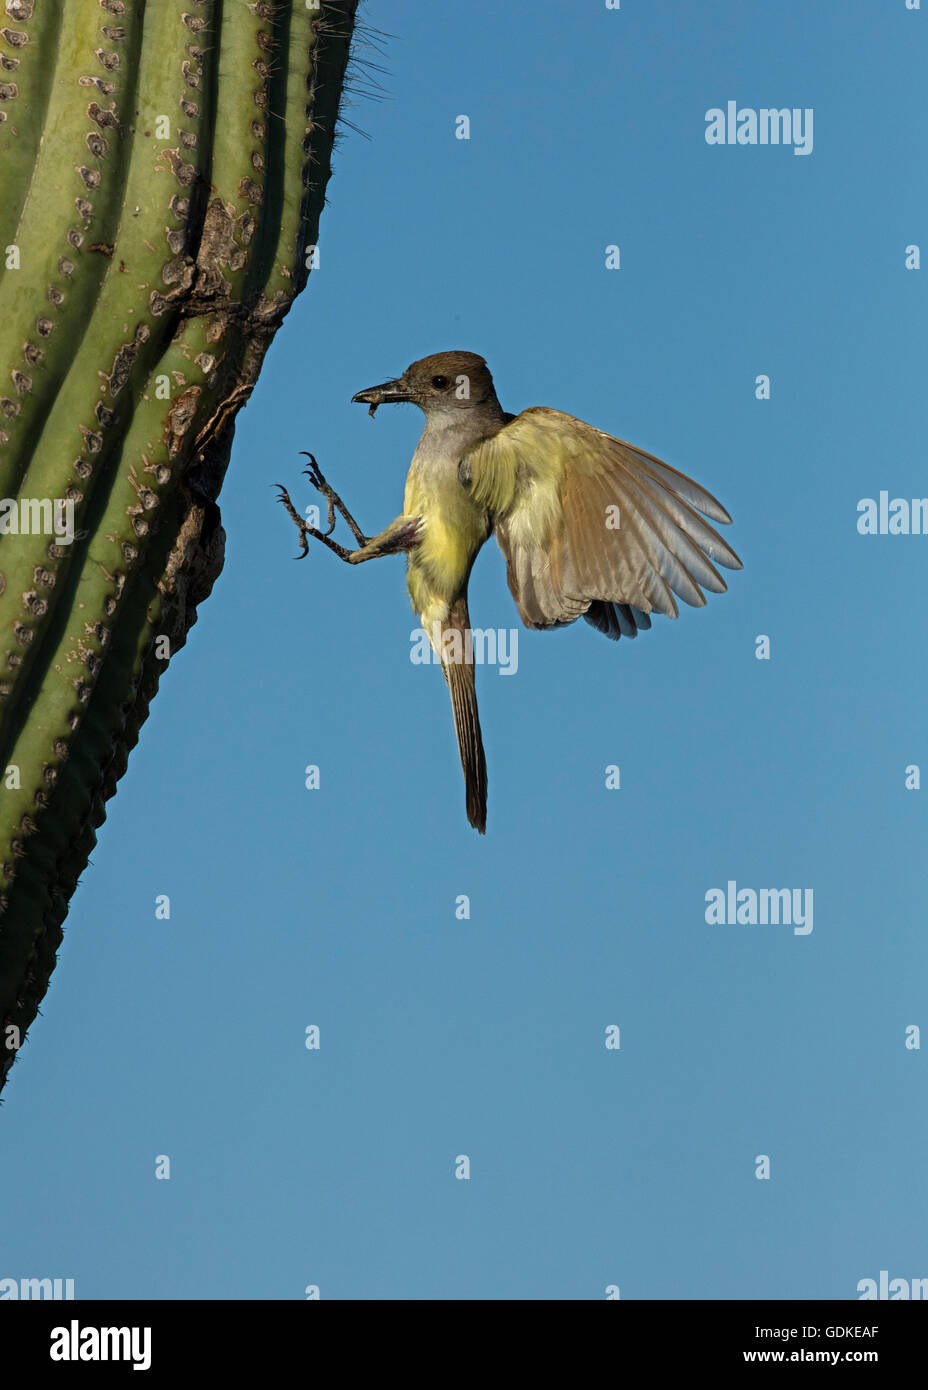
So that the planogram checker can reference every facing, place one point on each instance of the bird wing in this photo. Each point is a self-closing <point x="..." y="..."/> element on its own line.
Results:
<point x="587" y="521"/>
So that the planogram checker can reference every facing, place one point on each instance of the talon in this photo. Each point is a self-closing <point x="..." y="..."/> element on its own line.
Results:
<point x="312" y="472"/>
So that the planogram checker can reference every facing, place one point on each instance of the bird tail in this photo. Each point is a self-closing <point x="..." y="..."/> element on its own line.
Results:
<point x="459" y="673"/>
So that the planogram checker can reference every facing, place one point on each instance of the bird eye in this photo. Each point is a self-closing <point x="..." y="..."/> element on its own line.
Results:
<point x="439" y="382"/>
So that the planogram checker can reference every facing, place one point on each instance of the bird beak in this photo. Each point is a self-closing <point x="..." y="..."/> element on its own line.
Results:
<point x="387" y="394"/>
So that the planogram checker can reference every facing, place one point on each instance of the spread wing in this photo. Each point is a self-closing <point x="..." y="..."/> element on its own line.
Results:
<point x="591" y="525"/>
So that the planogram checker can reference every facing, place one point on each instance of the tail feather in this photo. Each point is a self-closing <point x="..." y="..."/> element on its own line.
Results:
<point x="462" y="687"/>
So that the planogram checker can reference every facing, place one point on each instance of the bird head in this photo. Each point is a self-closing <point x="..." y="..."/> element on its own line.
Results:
<point x="442" y="383"/>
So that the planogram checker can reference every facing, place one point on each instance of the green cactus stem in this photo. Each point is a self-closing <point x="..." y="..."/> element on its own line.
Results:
<point x="164" y="170"/>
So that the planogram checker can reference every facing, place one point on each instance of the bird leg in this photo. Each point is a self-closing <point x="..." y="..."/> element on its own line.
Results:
<point x="314" y="475"/>
<point x="306" y="530"/>
<point x="401" y="534"/>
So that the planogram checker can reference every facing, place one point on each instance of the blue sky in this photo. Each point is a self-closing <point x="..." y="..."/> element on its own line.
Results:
<point x="336" y="907"/>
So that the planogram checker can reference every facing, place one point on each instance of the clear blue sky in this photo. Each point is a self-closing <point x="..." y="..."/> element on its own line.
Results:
<point x="336" y="907"/>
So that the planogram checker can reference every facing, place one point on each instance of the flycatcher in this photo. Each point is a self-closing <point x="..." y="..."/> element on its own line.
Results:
<point x="590" y="526"/>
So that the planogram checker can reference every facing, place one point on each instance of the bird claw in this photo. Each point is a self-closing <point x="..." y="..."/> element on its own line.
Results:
<point x="313" y="472"/>
<point x="284" y="498"/>
<point x="334" y="504"/>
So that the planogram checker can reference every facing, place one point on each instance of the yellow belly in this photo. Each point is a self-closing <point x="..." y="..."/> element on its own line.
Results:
<point x="453" y="533"/>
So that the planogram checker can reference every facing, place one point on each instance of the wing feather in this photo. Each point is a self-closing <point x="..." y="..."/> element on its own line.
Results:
<point x="617" y="619"/>
<point x="591" y="525"/>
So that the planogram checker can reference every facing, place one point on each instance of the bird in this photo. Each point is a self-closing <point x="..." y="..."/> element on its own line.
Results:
<point x="589" y="525"/>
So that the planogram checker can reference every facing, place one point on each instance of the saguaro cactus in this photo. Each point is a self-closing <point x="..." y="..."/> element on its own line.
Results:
<point x="164" y="165"/>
